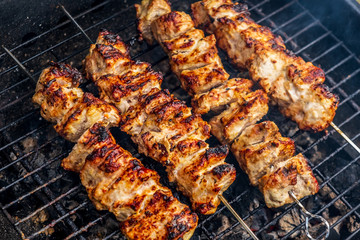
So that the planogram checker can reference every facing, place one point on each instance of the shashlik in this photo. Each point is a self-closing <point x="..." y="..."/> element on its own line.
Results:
<point x="114" y="179"/>
<point x="163" y="127"/>
<point x="260" y="149"/>
<point x="291" y="83"/>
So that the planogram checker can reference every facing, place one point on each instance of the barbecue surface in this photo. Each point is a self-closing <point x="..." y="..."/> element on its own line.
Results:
<point x="41" y="200"/>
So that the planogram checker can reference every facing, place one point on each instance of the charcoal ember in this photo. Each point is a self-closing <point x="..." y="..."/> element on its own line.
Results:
<point x="259" y="219"/>
<point x="225" y="224"/>
<point x="288" y="222"/>
<point x="254" y="205"/>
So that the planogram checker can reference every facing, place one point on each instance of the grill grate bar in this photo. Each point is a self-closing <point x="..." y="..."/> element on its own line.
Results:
<point x="349" y="98"/>
<point x="323" y="208"/>
<point x="13" y="85"/>
<point x="301" y="31"/>
<point x="312" y="43"/>
<point x="28" y="154"/>
<point x="353" y="234"/>
<point x="276" y="11"/>
<point x="111" y="235"/>
<point x="330" y="133"/>
<point x="207" y="233"/>
<point x="58" y="220"/>
<point x="13" y="123"/>
<point x="90" y="224"/>
<point x="289" y="21"/>
<point x="333" y="154"/>
<point x="257" y="5"/>
<point x="340" y="63"/>
<point x="22" y="137"/>
<point x="30" y="173"/>
<point x="19" y="64"/>
<point x="287" y="210"/>
<point x="345" y="79"/>
<point x="325" y="52"/>
<point x="49" y="204"/>
<point x="20" y="99"/>
<point x="33" y="191"/>
<point x="58" y="26"/>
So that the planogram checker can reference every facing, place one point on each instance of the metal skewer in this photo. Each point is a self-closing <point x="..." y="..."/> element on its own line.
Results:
<point x="308" y="216"/>
<point x="221" y="197"/>
<point x="345" y="137"/>
<point x="76" y="24"/>
<point x="243" y="224"/>
<point x="19" y="64"/>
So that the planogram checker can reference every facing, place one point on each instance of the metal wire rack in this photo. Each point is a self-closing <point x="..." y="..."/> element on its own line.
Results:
<point x="42" y="201"/>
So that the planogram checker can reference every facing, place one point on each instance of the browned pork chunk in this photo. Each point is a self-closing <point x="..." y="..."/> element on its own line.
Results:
<point x="257" y="159"/>
<point x="95" y="137"/>
<point x="291" y="83"/>
<point x="234" y="90"/>
<point x="85" y="113"/>
<point x="146" y="13"/>
<point x="57" y="91"/>
<point x="193" y="57"/>
<point x="114" y="179"/>
<point x="267" y="158"/>
<point x="257" y="133"/>
<point x="231" y="122"/>
<point x="118" y="182"/>
<point x="162" y="126"/>
<point x="294" y="175"/>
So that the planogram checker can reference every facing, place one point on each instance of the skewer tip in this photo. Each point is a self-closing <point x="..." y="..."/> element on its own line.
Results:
<point x="243" y="224"/>
<point x="345" y="137"/>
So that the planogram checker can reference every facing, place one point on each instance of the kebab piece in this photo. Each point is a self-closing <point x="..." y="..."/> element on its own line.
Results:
<point x="62" y="102"/>
<point x="291" y="83"/>
<point x="163" y="127"/>
<point x="189" y="50"/>
<point x="114" y="179"/>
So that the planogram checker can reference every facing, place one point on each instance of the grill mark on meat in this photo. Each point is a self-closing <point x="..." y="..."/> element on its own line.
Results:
<point x="64" y="70"/>
<point x="221" y="171"/>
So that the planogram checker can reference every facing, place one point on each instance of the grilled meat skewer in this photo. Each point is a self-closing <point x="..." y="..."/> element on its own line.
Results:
<point x="163" y="127"/>
<point x="291" y="83"/>
<point x="114" y="179"/>
<point x="263" y="160"/>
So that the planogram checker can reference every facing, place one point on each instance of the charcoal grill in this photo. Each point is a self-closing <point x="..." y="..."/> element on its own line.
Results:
<point x="40" y="200"/>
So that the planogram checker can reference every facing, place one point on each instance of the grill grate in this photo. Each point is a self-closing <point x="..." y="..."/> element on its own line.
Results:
<point x="42" y="201"/>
